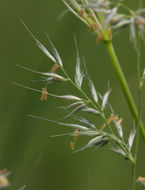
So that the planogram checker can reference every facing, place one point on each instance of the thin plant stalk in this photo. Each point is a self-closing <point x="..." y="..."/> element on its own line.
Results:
<point x="139" y="108"/>
<point x="124" y="84"/>
<point x="138" y="119"/>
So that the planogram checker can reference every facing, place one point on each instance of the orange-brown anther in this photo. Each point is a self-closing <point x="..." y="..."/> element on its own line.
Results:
<point x="81" y="12"/>
<point x="53" y="69"/>
<point x="72" y="145"/>
<point x="94" y="26"/>
<point x="111" y="118"/>
<point x="44" y="94"/>
<point x="141" y="178"/>
<point x="76" y="132"/>
<point x="119" y="122"/>
<point x="99" y="37"/>
<point x="140" y="21"/>
<point x="102" y="128"/>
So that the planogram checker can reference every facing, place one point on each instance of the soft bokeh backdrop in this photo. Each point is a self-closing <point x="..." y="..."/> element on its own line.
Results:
<point x="26" y="148"/>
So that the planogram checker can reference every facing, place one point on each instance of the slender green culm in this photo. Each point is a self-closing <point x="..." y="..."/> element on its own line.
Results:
<point x="139" y="108"/>
<point x="124" y="84"/>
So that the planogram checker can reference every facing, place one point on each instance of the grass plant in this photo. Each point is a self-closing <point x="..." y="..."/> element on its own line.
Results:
<point x="104" y="19"/>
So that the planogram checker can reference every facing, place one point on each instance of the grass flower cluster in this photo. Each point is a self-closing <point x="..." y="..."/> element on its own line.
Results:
<point x="105" y="18"/>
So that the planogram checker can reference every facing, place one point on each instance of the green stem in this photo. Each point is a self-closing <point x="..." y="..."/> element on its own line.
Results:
<point x="124" y="84"/>
<point x="139" y="106"/>
<point x="133" y="177"/>
<point x="137" y="133"/>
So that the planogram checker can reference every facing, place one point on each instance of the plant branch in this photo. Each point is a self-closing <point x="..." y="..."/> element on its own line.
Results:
<point x="124" y="84"/>
<point x="113" y="137"/>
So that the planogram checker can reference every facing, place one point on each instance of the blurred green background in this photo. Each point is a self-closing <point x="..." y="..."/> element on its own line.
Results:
<point x="26" y="148"/>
